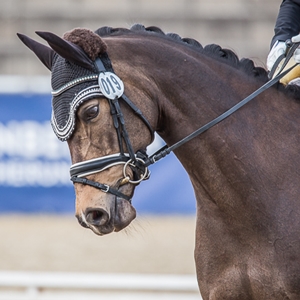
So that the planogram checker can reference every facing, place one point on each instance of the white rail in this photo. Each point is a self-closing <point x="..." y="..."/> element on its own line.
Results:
<point x="24" y="84"/>
<point x="44" y="285"/>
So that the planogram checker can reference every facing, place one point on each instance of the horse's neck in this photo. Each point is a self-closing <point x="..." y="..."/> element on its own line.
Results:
<point x="188" y="90"/>
<point x="195" y="95"/>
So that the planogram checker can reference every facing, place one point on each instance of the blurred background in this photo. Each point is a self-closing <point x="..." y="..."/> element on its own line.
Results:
<point x="38" y="230"/>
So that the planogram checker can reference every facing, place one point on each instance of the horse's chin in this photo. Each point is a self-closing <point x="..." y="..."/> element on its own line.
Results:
<point x="125" y="213"/>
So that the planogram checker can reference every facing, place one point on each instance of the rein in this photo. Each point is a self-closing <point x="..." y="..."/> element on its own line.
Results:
<point x="140" y="161"/>
<point x="165" y="150"/>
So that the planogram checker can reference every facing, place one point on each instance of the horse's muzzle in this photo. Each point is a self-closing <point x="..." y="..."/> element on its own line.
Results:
<point x="102" y="221"/>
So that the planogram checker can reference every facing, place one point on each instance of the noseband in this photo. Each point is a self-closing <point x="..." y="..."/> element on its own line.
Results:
<point x="112" y="89"/>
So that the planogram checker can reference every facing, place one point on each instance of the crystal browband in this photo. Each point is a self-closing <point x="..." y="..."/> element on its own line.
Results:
<point x="73" y="83"/>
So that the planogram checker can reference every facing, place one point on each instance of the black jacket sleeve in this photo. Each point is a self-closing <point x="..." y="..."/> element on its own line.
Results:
<point x="288" y="21"/>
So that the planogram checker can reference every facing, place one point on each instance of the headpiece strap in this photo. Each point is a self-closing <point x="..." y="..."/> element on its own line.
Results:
<point x="99" y="65"/>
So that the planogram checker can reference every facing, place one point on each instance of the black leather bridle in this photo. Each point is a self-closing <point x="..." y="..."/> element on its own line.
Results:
<point x="140" y="161"/>
<point x="135" y="161"/>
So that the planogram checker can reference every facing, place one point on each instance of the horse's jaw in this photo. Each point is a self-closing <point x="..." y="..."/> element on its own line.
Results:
<point x="103" y="213"/>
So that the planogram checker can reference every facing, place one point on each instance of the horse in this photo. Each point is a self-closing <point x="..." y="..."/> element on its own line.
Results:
<point x="244" y="170"/>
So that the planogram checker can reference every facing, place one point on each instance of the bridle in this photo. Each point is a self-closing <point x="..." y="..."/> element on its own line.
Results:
<point x="139" y="161"/>
<point x="112" y="89"/>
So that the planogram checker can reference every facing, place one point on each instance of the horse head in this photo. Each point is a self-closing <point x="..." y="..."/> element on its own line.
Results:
<point x="108" y="156"/>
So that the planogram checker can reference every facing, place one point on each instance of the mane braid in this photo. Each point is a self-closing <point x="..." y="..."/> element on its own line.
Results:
<point x="223" y="55"/>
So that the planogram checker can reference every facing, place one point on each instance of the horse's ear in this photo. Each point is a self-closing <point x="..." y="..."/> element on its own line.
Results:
<point x="44" y="53"/>
<point x="67" y="50"/>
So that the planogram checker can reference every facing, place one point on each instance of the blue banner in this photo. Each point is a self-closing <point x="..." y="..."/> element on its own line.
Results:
<point x="34" y="166"/>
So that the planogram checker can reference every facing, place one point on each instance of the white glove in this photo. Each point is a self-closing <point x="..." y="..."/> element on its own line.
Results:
<point x="278" y="49"/>
<point x="297" y="55"/>
<point x="296" y="39"/>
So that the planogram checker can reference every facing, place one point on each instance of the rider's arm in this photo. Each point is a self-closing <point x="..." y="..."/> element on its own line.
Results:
<point x="288" y="21"/>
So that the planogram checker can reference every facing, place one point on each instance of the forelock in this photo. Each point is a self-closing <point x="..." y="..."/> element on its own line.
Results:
<point x="90" y="42"/>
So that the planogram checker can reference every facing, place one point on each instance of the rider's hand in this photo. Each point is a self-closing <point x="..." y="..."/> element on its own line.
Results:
<point x="278" y="49"/>
<point x="296" y="39"/>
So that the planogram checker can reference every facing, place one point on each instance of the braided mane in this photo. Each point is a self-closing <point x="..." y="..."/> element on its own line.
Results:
<point x="223" y="55"/>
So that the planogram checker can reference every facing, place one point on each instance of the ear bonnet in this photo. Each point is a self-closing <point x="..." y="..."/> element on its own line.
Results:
<point x="79" y="65"/>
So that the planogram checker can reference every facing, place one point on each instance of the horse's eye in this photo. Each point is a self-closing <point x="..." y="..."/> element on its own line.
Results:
<point x="90" y="113"/>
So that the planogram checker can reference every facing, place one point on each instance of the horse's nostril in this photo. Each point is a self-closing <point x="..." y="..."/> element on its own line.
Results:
<point x="97" y="217"/>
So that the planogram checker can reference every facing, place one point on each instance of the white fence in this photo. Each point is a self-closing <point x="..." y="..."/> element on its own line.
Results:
<point x="88" y="286"/>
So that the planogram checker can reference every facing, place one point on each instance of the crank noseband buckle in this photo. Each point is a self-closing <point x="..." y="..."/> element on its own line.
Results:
<point x="103" y="187"/>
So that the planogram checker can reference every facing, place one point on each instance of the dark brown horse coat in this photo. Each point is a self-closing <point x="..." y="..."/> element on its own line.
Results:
<point x="245" y="170"/>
